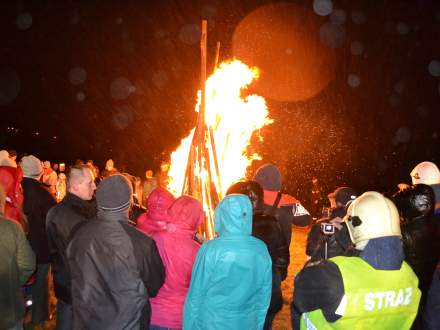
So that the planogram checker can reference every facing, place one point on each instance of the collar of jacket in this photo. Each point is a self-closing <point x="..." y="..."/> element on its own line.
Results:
<point x="83" y="207"/>
<point x="119" y="216"/>
<point x="30" y="181"/>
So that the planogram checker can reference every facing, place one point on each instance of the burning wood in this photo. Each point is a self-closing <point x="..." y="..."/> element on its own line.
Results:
<point x="213" y="155"/>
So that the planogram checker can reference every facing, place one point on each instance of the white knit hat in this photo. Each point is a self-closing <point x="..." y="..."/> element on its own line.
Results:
<point x="31" y="167"/>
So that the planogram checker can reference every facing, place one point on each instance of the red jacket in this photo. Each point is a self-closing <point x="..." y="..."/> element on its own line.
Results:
<point x="10" y="180"/>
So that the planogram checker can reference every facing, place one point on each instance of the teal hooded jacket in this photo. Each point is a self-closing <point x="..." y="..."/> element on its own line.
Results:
<point x="231" y="279"/>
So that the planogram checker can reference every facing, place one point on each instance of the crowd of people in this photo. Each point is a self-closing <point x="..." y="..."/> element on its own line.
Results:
<point x="127" y="254"/>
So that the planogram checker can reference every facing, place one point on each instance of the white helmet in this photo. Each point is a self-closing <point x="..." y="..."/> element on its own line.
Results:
<point x="425" y="172"/>
<point x="372" y="215"/>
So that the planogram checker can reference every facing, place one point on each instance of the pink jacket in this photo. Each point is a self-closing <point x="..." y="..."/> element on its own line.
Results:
<point x="155" y="218"/>
<point x="178" y="251"/>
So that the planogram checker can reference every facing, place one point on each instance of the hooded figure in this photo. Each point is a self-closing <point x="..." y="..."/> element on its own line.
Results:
<point x="156" y="216"/>
<point x="178" y="251"/>
<point x="114" y="267"/>
<point x="10" y="179"/>
<point x="267" y="228"/>
<point x="232" y="276"/>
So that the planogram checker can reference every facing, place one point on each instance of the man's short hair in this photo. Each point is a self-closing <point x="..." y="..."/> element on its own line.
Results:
<point x="76" y="173"/>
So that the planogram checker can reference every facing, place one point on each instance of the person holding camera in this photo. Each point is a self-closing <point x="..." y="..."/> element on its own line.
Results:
<point x="376" y="289"/>
<point x="329" y="236"/>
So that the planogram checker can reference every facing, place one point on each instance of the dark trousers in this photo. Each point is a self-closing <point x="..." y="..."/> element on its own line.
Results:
<point x="64" y="316"/>
<point x="19" y="326"/>
<point x="40" y="295"/>
<point x="276" y="300"/>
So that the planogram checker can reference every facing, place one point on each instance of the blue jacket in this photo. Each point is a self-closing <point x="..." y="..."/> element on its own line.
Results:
<point x="232" y="276"/>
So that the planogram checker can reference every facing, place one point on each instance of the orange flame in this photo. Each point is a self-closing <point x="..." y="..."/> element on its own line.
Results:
<point x="232" y="120"/>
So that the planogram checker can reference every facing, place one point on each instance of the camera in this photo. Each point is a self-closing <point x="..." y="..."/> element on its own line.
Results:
<point x="327" y="228"/>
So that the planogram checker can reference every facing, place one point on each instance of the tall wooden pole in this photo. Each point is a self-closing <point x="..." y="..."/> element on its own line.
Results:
<point x="203" y="49"/>
<point x="202" y="155"/>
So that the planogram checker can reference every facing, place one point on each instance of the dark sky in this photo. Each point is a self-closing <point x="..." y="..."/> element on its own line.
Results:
<point x="100" y="79"/>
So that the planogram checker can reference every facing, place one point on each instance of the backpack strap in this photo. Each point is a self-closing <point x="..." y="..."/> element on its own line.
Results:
<point x="273" y="208"/>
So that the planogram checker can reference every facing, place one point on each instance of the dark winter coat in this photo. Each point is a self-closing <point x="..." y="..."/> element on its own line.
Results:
<point x="267" y="229"/>
<point x="421" y="243"/>
<point x="288" y="212"/>
<point x="114" y="270"/>
<point x="61" y="220"/>
<point x="37" y="202"/>
<point x="432" y="311"/>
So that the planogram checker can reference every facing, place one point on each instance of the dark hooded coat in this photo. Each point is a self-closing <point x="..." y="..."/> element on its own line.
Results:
<point x="114" y="270"/>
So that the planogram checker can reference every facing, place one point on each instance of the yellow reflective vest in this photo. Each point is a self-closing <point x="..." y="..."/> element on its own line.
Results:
<point x="373" y="299"/>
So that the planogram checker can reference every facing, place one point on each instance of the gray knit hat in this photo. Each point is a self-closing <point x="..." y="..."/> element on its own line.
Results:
<point x="114" y="194"/>
<point x="31" y="167"/>
<point x="269" y="177"/>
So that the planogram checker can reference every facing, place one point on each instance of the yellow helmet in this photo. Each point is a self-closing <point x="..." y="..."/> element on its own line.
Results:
<point x="372" y="215"/>
<point x="425" y="172"/>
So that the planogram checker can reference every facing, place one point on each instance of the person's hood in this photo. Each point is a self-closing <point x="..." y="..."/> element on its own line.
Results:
<point x="269" y="177"/>
<point x="233" y="216"/>
<point x="158" y="203"/>
<point x="185" y="214"/>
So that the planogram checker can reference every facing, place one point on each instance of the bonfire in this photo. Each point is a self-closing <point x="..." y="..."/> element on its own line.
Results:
<point x="214" y="154"/>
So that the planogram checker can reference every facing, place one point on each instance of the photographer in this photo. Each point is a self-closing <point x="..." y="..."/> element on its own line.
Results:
<point x="329" y="236"/>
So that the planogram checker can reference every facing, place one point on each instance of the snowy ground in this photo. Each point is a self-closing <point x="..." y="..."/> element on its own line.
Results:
<point x="297" y="259"/>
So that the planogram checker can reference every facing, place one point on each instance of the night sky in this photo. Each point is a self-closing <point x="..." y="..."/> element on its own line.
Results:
<point x="353" y="86"/>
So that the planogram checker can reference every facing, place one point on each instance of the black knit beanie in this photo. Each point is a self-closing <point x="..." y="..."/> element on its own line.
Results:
<point x="114" y="194"/>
